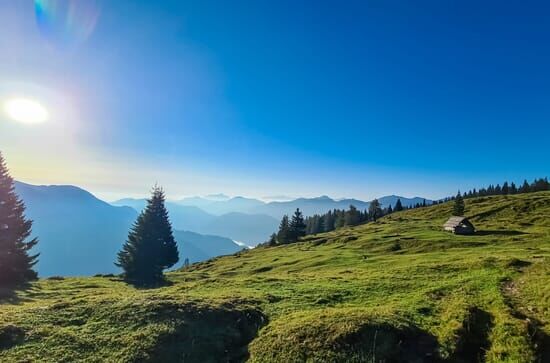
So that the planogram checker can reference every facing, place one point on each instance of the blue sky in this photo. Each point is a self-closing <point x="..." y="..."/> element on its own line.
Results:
<point x="355" y="98"/>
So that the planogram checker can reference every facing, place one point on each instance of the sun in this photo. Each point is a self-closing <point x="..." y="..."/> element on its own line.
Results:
<point x="26" y="111"/>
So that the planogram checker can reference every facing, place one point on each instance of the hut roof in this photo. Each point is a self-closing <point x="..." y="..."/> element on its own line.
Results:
<point x="455" y="221"/>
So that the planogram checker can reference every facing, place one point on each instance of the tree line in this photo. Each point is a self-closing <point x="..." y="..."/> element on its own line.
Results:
<point x="538" y="185"/>
<point x="290" y="230"/>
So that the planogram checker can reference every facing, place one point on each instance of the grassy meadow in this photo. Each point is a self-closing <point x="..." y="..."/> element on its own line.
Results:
<point x="400" y="289"/>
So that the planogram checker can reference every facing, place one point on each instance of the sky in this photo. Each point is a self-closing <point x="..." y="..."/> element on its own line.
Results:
<point x="262" y="98"/>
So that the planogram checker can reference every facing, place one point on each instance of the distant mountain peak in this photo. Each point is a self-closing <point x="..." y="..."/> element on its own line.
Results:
<point x="217" y="197"/>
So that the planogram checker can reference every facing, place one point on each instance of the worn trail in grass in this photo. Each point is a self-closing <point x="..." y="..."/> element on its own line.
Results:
<point x="398" y="288"/>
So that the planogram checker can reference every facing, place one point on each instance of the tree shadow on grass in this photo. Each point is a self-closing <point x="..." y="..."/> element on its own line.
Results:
<point x="474" y="337"/>
<point x="148" y="285"/>
<point x="12" y="294"/>
<point x="498" y="233"/>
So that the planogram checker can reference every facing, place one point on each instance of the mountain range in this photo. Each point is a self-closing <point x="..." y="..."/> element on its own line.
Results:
<point x="276" y="209"/>
<point x="247" y="228"/>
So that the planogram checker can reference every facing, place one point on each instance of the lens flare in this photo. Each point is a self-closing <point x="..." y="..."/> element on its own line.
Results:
<point x="66" y="22"/>
<point x="26" y="111"/>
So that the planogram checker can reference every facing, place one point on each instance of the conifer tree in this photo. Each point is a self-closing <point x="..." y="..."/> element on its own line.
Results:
<point x="390" y="209"/>
<point x="352" y="216"/>
<point x="398" y="206"/>
<point x="272" y="240"/>
<point x="505" y="189"/>
<point x="339" y="220"/>
<point x="16" y="262"/>
<point x="375" y="211"/>
<point x="297" y="226"/>
<point x="525" y="187"/>
<point x="283" y="236"/>
<point x="458" y="208"/>
<point x="150" y="247"/>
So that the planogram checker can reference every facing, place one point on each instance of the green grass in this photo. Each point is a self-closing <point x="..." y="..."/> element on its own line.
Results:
<point x="397" y="288"/>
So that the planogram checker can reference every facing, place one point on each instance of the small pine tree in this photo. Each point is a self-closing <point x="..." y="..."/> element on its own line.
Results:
<point x="390" y="210"/>
<point x="398" y="206"/>
<point x="297" y="226"/>
<point x="458" y="208"/>
<point x="150" y="248"/>
<point x="16" y="264"/>
<point x="272" y="240"/>
<point x="375" y="210"/>
<point x="283" y="236"/>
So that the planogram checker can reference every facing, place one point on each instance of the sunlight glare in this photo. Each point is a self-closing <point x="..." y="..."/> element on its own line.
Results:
<point x="26" y="111"/>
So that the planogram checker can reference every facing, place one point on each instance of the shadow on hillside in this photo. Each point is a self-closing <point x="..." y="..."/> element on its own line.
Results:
<point x="474" y="337"/>
<point x="499" y="233"/>
<point x="148" y="285"/>
<point x="205" y="334"/>
<point x="10" y="295"/>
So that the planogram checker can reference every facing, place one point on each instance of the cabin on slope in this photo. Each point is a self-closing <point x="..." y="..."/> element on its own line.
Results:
<point x="459" y="225"/>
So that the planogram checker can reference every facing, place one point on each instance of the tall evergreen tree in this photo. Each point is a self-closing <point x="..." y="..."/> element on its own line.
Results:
<point x="283" y="236"/>
<point x="505" y="189"/>
<point x="458" y="208"/>
<point x="297" y="226"/>
<point x="375" y="210"/>
<point x="352" y="216"/>
<point x="151" y="247"/>
<point x="525" y="188"/>
<point x="340" y="220"/>
<point x="16" y="262"/>
<point x="398" y="206"/>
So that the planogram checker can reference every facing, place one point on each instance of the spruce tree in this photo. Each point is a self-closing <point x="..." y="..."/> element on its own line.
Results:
<point x="505" y="189"/>
<point x="150" y="248"/>
<point x="272" y="240"/>
<point x="16" y="262"/>
<point x="458" y="208"/>
<point x="283" y="236"/>
<point x="375" y="211"/>
<point x="352" y="216"/>
<point x="297" y="226"/>
<point x="398" y="206"/>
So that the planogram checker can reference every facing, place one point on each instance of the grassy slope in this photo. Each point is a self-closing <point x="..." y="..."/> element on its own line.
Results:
<point x="399" y="287"/>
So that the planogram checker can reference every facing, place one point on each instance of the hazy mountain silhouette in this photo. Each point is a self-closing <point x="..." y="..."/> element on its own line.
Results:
<point x="78" y="233"/>
<point x="277" y="209"/>
<point x="219" y="207"/>
<point x="323" y="204"/>
<point x="198" y="247"/>
<point x="250" y="229"/>
<point x="185" y="218"/>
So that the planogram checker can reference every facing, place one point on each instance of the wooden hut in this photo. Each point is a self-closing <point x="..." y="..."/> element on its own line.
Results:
<point x="459" y="225"/>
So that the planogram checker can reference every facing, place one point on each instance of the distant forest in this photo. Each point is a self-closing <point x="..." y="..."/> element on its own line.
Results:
<point x="290" y="230"/>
